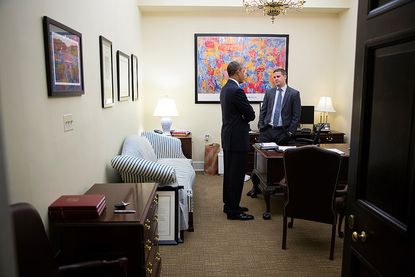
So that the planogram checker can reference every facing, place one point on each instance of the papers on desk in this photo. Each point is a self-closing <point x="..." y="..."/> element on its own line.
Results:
<point x="283" y="148"/>
<point x="272" y="146"/>
<point x="335" y="150"/>
<point x="266" y="145"/>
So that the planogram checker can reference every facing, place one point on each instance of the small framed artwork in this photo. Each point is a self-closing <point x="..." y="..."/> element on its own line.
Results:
<point x="107" y="85"/>
<point x="168" y="215"/>
<point x="134" y="76"/>
<point x="63" y="56"/>
<point x="260" y="55"/>
<point x="123" y="76"/>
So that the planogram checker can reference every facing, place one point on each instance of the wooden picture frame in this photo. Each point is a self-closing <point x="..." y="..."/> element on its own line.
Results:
<point x="168" y="215"/>
<point x="134" y="77"/>
<point x="123" y="76"/>
<point x="107" y="73"/>
<point x="63" y="57"/>
<point x="260" y="55"/>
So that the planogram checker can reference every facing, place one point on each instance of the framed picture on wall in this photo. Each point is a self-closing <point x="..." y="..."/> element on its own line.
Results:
<point x="123" y="76"/>
<point x="63" y="56"/>
<point x="107" y="85"/>
<point x="260" y="54"/>
<point x="134" y="76"/>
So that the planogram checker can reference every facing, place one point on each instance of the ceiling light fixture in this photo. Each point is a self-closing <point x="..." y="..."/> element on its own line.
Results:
<point x="272" y="8"/>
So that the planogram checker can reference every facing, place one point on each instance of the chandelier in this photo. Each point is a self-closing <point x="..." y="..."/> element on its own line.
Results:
<point x="272" y="8"/>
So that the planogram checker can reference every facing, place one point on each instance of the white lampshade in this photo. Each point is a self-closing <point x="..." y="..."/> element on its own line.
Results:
<point x="325" y="105"/>
<point x="165" y="108"/>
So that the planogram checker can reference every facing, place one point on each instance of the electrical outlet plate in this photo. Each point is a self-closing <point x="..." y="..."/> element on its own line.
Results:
<point x="207" y="137"/>
<point x="67" y="122"/>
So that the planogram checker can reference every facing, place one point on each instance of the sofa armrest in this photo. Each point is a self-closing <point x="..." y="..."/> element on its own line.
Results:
<point x="165" y="146"/>
<point x="136" y="169"/>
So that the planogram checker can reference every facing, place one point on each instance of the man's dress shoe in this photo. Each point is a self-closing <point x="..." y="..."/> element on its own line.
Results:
<point x="240" y="216"/>
<point x="240" y="209"/>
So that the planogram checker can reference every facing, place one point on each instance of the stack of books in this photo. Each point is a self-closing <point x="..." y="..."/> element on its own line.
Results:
<point x="180" y="133"/>
<point x="77" y="206"/>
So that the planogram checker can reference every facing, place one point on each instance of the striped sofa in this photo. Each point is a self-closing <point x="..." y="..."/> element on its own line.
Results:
<point x="152" y="157"/>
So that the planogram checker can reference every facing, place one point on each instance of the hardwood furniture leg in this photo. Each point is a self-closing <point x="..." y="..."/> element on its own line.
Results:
<point x="267" y="215"/>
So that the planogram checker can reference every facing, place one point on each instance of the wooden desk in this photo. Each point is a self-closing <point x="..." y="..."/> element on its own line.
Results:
<point x="186" y="145"/>
<point x="111" y="236"/>
<point x="268" y="174"/>
<point x="325" y="137"/>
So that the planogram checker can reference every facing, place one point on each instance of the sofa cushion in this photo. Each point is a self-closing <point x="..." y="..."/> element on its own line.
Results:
<point x="139" y="147"/>
<point x="185" y="174"/>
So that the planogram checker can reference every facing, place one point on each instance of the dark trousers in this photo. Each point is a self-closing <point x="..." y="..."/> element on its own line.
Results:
<point x="233" y="178"/>
<point x="277" y="135"/>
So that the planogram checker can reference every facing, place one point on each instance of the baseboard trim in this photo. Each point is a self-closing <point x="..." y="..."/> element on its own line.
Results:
<point x="198" y="165"/>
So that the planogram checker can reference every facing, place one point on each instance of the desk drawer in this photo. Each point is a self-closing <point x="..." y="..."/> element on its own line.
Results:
<point x="332" y="138"/>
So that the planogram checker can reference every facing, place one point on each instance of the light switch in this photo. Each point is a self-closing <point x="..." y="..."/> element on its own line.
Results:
<point x="67" y="122"/>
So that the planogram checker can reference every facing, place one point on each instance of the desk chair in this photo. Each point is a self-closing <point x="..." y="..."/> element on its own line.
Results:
<point x="311" y="175"/>
<point x="308" y="141"/>
<point x="35" y="256"/>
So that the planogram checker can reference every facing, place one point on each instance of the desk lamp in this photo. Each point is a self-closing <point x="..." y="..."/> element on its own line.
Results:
<point x="325" y="106"/>
<point x="165" y="108"/>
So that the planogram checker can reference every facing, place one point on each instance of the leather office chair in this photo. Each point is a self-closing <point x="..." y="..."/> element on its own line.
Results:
<point x="35" y="256"/>
<point x="311" y="175"/>
<point x="308" y="141"/>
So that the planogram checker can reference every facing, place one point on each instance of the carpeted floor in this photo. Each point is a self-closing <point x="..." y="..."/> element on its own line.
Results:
<point x="221" y="247"/>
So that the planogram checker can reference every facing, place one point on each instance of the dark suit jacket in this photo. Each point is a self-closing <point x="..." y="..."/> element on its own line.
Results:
<point x="236" y="115"/>
<point x="290" y="113"/>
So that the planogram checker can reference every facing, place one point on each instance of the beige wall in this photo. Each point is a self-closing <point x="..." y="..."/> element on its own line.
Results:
<point x="42" y="161"/>
<point x="321" y="58"/>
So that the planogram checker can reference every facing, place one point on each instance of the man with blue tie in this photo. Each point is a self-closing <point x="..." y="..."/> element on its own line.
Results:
<point x="280" y="112"/>
<point x="236" y="115"/>
<point x="279" y="115"/>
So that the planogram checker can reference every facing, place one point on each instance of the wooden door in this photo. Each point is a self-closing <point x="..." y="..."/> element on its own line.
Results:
<point x="380" y="222"/>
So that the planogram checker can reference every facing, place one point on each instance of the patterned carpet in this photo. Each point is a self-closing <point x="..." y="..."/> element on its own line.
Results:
<point x="221" y="247"/>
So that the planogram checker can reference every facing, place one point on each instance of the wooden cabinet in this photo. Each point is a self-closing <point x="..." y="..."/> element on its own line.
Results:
<point x="186" y="145"/>
<point x="131" y="235"/>
<point x="332" y="137"/>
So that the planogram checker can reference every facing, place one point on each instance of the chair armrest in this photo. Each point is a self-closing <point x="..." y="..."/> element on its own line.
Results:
<point x="148" y="170"/>
<point x="121" y="263"/>
<point x="165" y="146"/>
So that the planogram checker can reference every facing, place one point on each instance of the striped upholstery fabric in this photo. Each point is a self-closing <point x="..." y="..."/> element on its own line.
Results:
<point x="136" y="170"/>
<point x="164" y="146"/>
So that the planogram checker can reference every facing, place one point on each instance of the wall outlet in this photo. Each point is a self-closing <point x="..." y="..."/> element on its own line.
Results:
<point x="67" y="122"/>
<point x="207" y="136"/>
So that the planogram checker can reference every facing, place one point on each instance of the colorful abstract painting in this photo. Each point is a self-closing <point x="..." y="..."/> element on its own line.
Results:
<point x="63" y="55"/>
<point x="259" y="54"/>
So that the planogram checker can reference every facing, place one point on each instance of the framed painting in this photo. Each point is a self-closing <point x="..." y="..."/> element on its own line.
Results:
<point x="134" y="76"/>
<point x="107" y="85"/>
<point x="63" y="56"/>
<point x="260" y="54"/>
<point x="123" y="76"/>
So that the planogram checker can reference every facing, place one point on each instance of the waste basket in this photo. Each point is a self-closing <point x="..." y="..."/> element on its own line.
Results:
<point x="211" y="158"/>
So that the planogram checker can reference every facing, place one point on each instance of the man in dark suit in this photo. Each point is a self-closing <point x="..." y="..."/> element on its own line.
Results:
<point x="280" y="112"/>
<point x="236" y="115"/>
<point x="279" y="115"/>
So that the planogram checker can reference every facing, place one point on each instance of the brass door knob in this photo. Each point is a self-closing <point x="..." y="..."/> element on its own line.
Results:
<point x="362" y="236"/>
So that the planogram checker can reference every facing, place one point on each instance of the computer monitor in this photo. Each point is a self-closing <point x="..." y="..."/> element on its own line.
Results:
<point x="307" y="115"/>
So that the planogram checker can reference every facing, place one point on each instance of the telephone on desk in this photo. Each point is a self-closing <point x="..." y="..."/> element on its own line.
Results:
<point x="305" y="130"/>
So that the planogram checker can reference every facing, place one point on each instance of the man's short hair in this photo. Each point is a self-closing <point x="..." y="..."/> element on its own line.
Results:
<point x="282" y="71"/>
<point x="233" y="67"/>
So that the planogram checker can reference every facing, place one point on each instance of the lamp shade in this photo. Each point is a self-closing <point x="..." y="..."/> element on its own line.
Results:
<point x="166" y="107"/>
<point x="325" y="105"/>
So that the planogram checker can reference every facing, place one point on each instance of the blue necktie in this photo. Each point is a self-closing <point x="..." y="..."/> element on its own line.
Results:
<point x="278" y="107"/>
